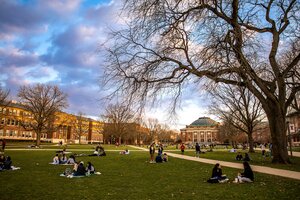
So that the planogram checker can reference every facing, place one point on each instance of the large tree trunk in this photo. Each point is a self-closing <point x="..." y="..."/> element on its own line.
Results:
<point x="38" y="138"/>
<point x="278" y="133"/>
<point x="251" y="143"/>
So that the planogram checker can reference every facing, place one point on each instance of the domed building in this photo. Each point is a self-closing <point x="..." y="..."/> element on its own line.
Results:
<point x="204" y="131"/>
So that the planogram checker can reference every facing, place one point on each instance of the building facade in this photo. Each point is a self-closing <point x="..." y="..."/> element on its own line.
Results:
<point x="293" y="121"/>
<point x="204" y="131"/>
<point x="64" y="128"/>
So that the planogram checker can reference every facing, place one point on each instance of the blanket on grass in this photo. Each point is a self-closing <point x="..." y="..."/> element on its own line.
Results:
<point x="51" y="163"/>
<point x="72" y="176"/>
<point x="11" y="168"/>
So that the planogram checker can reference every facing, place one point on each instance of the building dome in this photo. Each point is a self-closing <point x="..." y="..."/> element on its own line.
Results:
<point x="204" y="121"/>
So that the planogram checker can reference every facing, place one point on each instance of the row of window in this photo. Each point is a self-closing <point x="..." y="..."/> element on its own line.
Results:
<point x="10" y="122"/>
<point x="14" y="112"/>
<point x="24" y="134"/>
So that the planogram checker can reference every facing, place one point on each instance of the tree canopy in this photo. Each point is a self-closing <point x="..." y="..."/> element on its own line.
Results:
<point x="170" y="44"/>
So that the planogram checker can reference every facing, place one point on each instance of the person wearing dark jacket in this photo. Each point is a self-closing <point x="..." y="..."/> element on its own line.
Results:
<point x="7" y="163"/>
<point x="247" y="176"/>
<point x="80" y="170"/>
<point x="247" y="157"/>
<point x="239" y="156"/>
<point x="197" y="147"/>
<point x="217" y="175"/>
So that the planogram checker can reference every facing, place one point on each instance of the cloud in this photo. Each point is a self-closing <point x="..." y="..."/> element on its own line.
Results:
<point x="63" y="7"/>
<point x="12" y="56"/>
<point x="17" y="19"/>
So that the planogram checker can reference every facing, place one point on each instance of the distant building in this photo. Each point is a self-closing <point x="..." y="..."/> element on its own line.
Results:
<point x="293" y="120"/>
<point x="14" y="114"/>
<point x="204" y="131"/>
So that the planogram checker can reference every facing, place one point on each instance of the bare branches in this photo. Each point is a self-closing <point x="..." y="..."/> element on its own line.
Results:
<point x="4" y="94"/>
<point x="171" y="44"/>
<point x="42" y="101"/>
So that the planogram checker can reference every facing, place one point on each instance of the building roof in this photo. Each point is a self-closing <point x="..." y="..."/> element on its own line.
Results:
<point x="204" y="121"/>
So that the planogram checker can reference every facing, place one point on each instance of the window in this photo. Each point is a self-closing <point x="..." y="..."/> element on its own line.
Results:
<point x="3" y="121"/>
<point x="12" y="122"/>
<point x="8" y="121"/>
<point x="1" y="132"/>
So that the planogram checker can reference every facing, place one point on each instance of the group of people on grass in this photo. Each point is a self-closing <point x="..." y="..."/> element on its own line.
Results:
<point x="63" y="159"/>
<point x="239" y="157"/>
<point x="161" y="157"/>
<point x="246" y="176"/>
<point x="80" y="170"/>
<point x="5" y="162"/>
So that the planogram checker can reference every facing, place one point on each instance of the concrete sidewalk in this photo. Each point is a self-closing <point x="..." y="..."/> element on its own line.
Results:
<point x="256" y="168"/>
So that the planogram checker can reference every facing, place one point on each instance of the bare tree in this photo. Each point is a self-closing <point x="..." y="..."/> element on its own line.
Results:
<point x="238" y="106"/>
<point x="3" y="96"/>
<point x="118" y="119"/>
<point x="42" y="102"/>
<point x="228" y="133"/>
<point x="153" y="126"/>
<point x="171" y="44"/>
<point x="80" y="126"/>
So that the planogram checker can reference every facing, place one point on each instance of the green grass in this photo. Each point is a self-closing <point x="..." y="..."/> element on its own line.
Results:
<point x="26" y="145"/>
<point x="132" y="177"/>
<point x="256" y="158"/>
<point x="295" y="149"/>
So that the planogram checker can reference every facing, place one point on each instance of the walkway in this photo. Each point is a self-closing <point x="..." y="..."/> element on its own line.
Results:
<point x="256" y="168"/>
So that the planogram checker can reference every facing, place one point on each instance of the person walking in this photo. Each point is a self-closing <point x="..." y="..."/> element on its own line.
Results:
<point x="3" y="144"/>
<point x="182" y="147"/>
<point x="198" y="150"/>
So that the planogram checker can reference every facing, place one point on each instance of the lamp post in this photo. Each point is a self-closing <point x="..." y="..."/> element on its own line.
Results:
<point x="289" y="137"/>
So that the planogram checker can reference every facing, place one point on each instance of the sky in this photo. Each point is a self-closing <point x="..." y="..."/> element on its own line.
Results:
<point x="58" y="42"/>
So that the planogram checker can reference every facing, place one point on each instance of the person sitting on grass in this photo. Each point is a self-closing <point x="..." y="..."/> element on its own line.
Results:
<point x="90" y="169"/>
<point x="158" y="159"/>
<point x="217" y="176"/>
<point x="165" y="157"/>
<point x="80" y="171"/>
<point x="247" y="157"/>
<point x="55" y="160"/>
<point x="239" y="156"/>
<point x="63" y="159"/>
<point x="247" y="175"/>
<point x="7" y="163"/>
<point x="101" y="151"/>
<point x="71" y="160"/>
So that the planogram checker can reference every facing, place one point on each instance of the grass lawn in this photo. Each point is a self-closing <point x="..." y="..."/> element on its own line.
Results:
<point x="132" y="177"/>
<point x="22" y="145"/>
<point x="256" y="158"/>
<point x="296" y="149"/>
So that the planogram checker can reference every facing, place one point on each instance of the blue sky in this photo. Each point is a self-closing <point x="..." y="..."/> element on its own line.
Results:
<point x="58" y="42"/>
